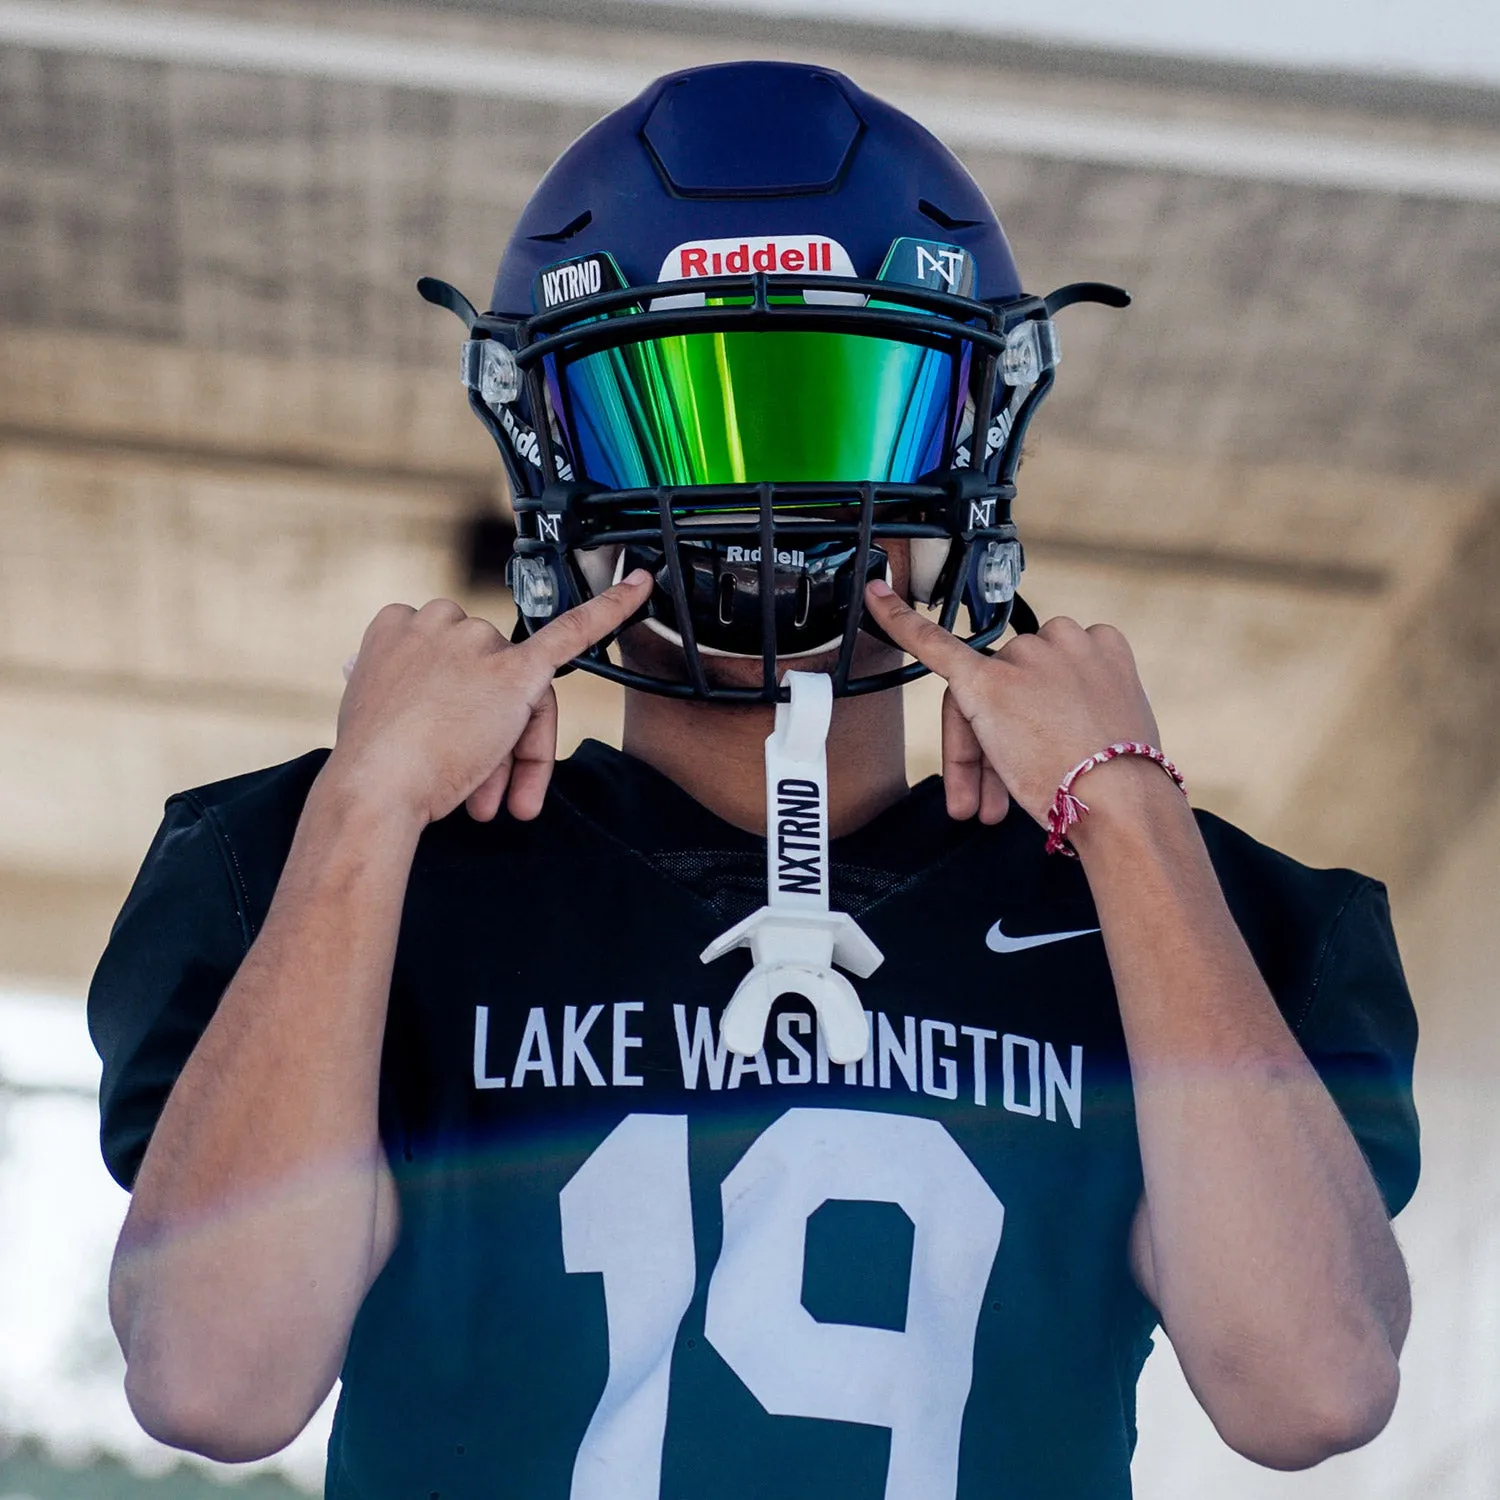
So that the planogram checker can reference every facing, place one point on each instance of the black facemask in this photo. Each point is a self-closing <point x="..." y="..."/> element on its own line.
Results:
<point x="814" y="587"/>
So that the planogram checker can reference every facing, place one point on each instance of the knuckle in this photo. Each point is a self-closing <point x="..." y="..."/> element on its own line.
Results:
<point x="1109" y="636"/>
<point x="482" y="631"/>
<point x="439" y="610"/>
<point x="1061" y="628"/>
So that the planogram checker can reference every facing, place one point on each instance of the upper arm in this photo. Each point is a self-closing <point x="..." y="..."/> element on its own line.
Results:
<point x="1355" y="1021"/>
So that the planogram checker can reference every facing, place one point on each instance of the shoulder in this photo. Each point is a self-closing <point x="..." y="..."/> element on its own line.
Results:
<point x="253" y="817"/>
<point x="1324" y="943"/>
<point x="1261" y="881"/>
<point x="221" y="835"/>
<point x="250" y="797"/>
<point x="1297" y="919"/>
<point x="248" y="821"/>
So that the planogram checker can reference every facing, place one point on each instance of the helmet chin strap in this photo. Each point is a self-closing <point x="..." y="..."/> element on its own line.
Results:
<point x="795" y="940"/>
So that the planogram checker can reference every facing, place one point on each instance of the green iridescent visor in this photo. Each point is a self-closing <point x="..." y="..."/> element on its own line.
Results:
<point x="777" y="405"/>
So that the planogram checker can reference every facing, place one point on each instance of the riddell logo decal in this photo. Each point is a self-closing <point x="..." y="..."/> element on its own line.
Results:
<point x="752" y="555"/>
<point x="774" y="254"/>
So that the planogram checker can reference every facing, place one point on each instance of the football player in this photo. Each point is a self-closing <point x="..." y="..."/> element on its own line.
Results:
<point x="411" y="1057"/>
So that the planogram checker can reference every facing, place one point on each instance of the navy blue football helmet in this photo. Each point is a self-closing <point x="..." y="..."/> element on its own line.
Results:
<point x="750" y="327"/>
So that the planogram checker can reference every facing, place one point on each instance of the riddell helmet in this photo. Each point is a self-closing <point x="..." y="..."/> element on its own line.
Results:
<point x="745" y="332"/>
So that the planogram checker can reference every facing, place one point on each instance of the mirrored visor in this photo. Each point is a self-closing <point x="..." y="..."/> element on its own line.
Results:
<point x="782" y="405"/>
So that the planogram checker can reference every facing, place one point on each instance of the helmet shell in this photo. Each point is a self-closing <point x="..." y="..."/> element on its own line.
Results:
<point x="753" y="149"/>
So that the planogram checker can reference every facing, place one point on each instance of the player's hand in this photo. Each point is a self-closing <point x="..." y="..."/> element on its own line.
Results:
<point x="1014" y="724"/>
<point x="441" y="709"/>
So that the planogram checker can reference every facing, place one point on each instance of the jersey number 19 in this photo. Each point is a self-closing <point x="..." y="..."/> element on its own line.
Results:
<point x="627" y="1215"/>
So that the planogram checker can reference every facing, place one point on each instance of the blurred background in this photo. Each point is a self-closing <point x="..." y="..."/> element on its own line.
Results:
<point x="230" y="431"/>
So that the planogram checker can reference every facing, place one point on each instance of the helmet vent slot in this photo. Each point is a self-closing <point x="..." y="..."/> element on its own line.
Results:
<point x="572" y="227"/>
<point x="943" y="220"/>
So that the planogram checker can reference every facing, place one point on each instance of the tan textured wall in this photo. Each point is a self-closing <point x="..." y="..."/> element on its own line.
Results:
<point x="229" y="429"/>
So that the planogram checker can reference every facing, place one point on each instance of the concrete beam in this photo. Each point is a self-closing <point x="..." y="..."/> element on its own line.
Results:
<point x="1233" y="150"/>
<point x="358" y="419"/>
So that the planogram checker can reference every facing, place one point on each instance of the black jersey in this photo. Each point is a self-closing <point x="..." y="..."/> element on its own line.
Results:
<point x="633" y="1265"/>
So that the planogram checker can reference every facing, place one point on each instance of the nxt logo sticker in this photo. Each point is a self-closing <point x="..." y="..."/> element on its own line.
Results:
<point x="573" y="280"/>
<point x="570" y="283"/>
<point x="947" y="265"/>
<point x="932" y="264"/>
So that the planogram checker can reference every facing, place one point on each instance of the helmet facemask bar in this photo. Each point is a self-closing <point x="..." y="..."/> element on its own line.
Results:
<point x="560" y="515"/>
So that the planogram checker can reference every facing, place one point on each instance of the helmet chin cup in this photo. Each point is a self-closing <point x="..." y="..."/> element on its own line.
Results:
<point x="813" y="587"/>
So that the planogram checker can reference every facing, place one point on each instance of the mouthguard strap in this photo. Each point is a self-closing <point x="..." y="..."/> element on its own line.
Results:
<point x="795" y="939"/>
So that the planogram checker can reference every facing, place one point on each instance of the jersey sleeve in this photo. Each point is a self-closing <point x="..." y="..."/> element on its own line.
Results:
<point x="1359" y="1030"/>
<point x="175" y="946"/>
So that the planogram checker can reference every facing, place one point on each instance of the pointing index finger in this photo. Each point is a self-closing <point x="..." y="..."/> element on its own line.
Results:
<point x="573" y="632"/>
<point x="937" y="649"/>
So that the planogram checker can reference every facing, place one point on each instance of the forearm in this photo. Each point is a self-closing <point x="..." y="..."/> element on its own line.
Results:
<point x="263" y="1207"/>
<point x="1263" y="1236"/>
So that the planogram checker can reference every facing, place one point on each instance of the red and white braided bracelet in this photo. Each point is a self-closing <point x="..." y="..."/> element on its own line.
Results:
<point x="1067" y="809"/>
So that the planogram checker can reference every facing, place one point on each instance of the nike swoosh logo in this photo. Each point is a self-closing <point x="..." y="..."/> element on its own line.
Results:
<point x="999" y="942"/>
